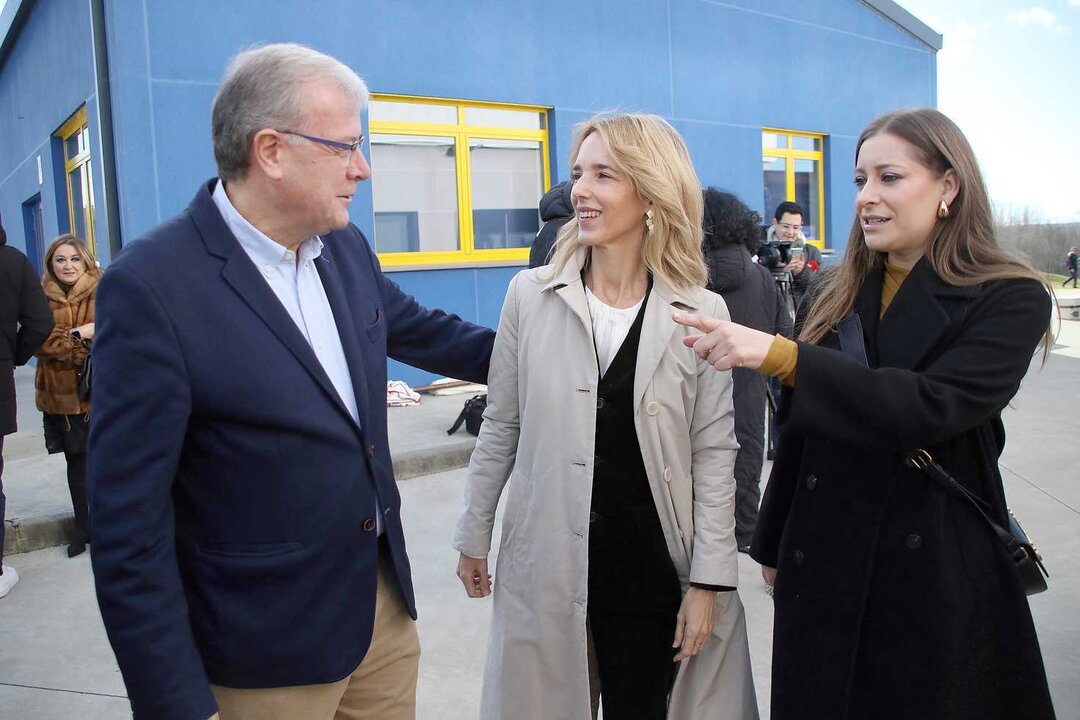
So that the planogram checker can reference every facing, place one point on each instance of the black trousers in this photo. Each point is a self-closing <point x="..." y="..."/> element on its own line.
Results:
<point x="3" y="500"/>
<point x="76" y="478"/>
<point x="1072" y="277"/>
<point x="634" y="598"/>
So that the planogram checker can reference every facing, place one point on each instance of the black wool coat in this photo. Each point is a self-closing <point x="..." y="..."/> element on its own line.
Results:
<point x="25" y="322"/>
<point x="893" y="599"/>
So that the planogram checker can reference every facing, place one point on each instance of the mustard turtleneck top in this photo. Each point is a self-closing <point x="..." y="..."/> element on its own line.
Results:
<point x="784" y="354"/>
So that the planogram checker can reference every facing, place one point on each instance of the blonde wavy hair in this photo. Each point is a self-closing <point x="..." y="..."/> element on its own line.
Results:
<point x="655" y="159"/>
<point x="90" y="262"/>
<point x="963" y="248"/>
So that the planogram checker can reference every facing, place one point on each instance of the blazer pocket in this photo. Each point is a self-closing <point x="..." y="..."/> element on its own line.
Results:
<point x="250" y="550"/>
<point x="377" y="328"/>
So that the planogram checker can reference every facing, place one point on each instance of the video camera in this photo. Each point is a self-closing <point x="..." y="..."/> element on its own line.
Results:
<point x="775" y="255"/>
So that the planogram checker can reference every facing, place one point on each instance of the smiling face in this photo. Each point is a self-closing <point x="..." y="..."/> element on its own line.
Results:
<point x="609" y="210"/>
<point x="788" y="227"/>
<point x="898" y="198"/>
<point x="320" y="180"/>
<point x="67" y="264"/>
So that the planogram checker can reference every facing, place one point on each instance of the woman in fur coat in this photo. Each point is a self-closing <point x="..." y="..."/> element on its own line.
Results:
<point x="70" y="283"/>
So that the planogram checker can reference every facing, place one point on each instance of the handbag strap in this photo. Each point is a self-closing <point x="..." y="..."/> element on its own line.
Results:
<point x="852" y="342"/>
<point x="1017" y="550"/>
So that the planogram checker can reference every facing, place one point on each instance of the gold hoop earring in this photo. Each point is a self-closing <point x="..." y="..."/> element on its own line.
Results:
<point x="648" y="221"/>
<point x="943" y="210"/>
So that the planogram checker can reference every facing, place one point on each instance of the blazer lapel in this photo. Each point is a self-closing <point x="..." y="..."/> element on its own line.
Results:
<point x="921" y="313"/>
<point x="242" y="275"/>
<point x="346" y="325"/>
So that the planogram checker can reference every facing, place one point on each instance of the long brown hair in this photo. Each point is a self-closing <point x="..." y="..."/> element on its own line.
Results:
<point x="90" y="263"/>
<point x="962" y="250"/>
<point x="654" y="158"/>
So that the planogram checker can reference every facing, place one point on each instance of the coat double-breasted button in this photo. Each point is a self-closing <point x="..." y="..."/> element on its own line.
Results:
<point x="800" y="557"/>
<point x="811" y="482"/>
<point x="652" y="408"/>
<point x="369" y="525"/>
<point x="913" y="542"/>
<point x="599" y="403"/>
<point x="371" y="450"/>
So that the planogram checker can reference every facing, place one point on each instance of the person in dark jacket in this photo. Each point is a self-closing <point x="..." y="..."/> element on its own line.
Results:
<point x="25" y="322"/>
<point x="556" y="208"/>
<point x="894" y="598"/>
<point x="1071" y="265"/>
<point x="754" y="300"/>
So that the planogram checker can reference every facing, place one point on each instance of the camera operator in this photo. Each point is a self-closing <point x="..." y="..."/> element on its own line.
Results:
<point x="803" y="258"/>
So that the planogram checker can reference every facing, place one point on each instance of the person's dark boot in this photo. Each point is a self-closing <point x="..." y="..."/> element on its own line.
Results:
<point x="75" y="549"/>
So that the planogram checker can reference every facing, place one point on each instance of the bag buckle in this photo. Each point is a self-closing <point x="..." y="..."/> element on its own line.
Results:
<point x="920" y="459"/>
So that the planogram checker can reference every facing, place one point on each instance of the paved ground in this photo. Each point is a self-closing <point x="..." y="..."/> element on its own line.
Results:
<point x="55" y="662"/>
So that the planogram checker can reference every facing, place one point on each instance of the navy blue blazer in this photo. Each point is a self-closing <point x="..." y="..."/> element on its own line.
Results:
<point x="230" y="489"/>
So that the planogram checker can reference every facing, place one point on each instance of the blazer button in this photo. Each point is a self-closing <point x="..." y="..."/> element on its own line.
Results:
<point x="811" y="482"/>
<point x="371" y="450"/>
<point x="914" y="542"/>
<point x="652" y="408"/>
<point x="369" y="525"/>
<point x="599" y="403"/>
<point x="800" y="558"/>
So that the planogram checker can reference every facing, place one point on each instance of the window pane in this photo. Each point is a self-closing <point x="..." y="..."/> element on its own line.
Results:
<point x="775" y="183"/>
<point x="88" y="204"/>
<point x="383" y="110"/>
<point x="492" y="117"/>
<point x="71" y="147"/>
<point x="414" y="190"/>
<point x="798" y="142"/>
<point x="806" y="195"/>
<point x="773" y="140"/>
<point x="507" y="182"/>
<point x="78" y="202"/>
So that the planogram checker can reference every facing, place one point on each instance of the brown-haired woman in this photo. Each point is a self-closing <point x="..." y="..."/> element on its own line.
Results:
<point x="893" y="598"/>
<point x="70" y="282"/>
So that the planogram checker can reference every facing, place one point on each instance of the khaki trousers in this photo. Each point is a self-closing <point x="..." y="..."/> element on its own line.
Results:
<point x="382" y="688"/>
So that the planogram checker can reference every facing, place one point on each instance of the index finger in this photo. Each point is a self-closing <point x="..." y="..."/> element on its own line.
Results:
<point x="704" y="323"/>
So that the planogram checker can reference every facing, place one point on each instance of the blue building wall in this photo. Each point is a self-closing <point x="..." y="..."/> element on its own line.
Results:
<point x="47" y="75"/>
<point x="720" y="71"/>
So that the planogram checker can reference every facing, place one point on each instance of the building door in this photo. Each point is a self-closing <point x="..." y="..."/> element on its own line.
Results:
<point x="35" y="240"/>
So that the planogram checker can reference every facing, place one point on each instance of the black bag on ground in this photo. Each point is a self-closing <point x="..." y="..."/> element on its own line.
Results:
<point x="472" y="415"/>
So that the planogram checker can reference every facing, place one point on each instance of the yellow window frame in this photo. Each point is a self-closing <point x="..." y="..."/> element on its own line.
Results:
<point x="462" y="133"/>
<point x="73" y="125"/>
<point x="790" y="154"/>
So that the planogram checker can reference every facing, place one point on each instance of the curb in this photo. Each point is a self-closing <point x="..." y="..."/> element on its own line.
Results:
<point x="23" y="535"/>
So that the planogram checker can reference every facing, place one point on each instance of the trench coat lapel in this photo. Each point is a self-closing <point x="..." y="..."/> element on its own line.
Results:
<point x="244" y="278"/>
<point x="568" y="286"/>
<point x="657" y="329"/>
<point x="924" y="309"/>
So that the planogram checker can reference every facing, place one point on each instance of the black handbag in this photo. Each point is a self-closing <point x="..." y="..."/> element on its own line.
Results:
<point x="1024" y="554"/>
<point x="472" y="415"/>
<point x="85" y="376"/>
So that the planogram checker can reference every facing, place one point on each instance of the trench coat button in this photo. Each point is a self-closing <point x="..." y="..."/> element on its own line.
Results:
<point x="599" y="403"/>
<point x="913" y="542"/>
<point x="369" y="525"/>
<point x="652" y="408"/>
<point x="811" y="482"/>
<point x="371" y="450"/>
<point x="800" y="558"/>
<point x="667" y="475"/>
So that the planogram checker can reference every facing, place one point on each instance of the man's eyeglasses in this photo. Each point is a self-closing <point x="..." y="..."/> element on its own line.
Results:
<point x="344" y="150"/>
<point x="791" y="228"/>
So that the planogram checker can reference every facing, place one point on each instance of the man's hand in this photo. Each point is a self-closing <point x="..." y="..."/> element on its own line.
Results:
<point x="473" y="573"/>
<point x="796" y="265"/>
<point x="725" y="344"/>
<point x="695" y="622"/>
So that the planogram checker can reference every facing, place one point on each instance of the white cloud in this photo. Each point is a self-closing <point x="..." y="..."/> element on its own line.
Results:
<point x="1037" y="15"/>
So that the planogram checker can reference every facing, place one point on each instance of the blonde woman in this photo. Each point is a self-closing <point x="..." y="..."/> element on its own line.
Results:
<point x="70" y="283"/>
<point x="894" y="598"/>
<point x="618" y="564"/>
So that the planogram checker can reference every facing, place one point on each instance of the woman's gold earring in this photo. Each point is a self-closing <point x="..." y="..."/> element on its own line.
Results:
<point x="648" y="221"/>
<point x="943" y="210"/>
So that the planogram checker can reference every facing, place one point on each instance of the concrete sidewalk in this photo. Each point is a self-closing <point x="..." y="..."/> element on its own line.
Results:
<point x="39" y="508"/>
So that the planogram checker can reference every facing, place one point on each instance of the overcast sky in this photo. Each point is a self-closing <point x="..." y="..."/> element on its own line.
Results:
<point x="1009" y="75"/>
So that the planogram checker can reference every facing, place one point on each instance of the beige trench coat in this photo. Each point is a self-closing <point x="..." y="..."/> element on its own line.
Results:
<point x="539" y="429"/>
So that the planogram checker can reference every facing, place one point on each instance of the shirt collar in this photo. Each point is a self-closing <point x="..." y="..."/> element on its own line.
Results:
<point x="260" y="248"/>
